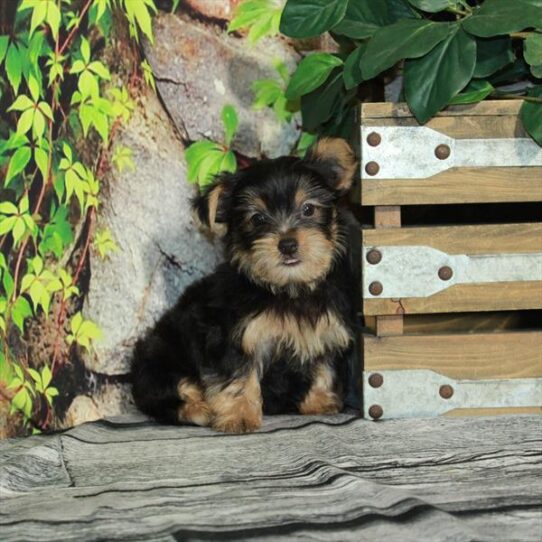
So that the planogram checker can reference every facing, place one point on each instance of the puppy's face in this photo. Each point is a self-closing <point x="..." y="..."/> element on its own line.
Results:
<point x="278" y="217"/>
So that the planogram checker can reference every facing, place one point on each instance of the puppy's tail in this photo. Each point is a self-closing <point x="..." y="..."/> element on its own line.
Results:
<point x="154" y="387"/>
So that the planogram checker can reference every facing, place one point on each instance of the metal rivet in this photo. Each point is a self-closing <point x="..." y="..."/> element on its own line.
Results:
<point x="376" y="380"/>
<point x="375" y="411"/>
<point x="446" y="391"/>
<point x="445" y="273"/>
<point x="374" y="256"/>
<point x="376" y="288"/>
<point x="442" y="152"/>
<point x="372" y="168"/>
<point x="374" y="139"/>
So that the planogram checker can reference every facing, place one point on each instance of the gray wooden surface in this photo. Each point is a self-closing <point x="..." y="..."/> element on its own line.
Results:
<point x="304" y="478"/>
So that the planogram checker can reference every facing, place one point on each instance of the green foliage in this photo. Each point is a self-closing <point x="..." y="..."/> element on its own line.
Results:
<point x="56" y="92"/>
<point x="272" y="93"/>
<point x="453" y="51"/>
<point x="82" y="331"/>
<point x="262" y="17"/>
<point x="104" y="243"/>
<point x="205" y="158"/>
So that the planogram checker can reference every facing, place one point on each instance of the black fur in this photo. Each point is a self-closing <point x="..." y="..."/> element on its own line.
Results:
<point x="195" y="339"/>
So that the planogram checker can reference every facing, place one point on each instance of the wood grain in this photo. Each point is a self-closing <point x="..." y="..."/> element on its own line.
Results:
<point x="492" y="411"/>
<point x="476" y="356"/>
<point x="491" y="296"/>
<point x="484" y="239"/>
<point x="457" y="185"/>
<point x="467" y="127"/>
<point x="298" y="478"/>
<point x="487" y="107"/>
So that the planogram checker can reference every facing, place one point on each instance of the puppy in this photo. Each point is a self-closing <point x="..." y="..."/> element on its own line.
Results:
<point x="270" y="331"/>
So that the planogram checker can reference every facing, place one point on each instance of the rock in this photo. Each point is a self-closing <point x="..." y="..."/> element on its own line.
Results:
<point x="160" y="250"/>
<point x="199" y="69"/>
<point x="214" y="9"/>
<point x="82" y="409"/>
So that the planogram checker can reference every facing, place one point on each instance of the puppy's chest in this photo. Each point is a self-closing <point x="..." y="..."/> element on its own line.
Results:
<point x="267" y="333"/>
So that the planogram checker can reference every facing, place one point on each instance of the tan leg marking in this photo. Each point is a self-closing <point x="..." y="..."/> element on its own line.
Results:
<point x="321" y="398"/>
<point x="238" y="407"/>
<point x="194" y="409"/>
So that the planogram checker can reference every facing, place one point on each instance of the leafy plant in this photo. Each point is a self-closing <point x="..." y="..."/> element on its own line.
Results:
<point x="262" y="17"/>
<point x="451" y="51"/>
<point x="57" y="93"/>
<point x="206" y="158"/>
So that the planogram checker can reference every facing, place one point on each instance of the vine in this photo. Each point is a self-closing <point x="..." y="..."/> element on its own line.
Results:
<point x="58" y="96"/>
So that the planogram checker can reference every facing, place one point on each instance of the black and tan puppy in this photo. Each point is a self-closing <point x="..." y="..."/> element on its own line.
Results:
<point x="270" y="330"/>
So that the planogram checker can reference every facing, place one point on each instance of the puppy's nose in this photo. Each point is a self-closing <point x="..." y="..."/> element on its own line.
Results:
<point x="288" y="246"/>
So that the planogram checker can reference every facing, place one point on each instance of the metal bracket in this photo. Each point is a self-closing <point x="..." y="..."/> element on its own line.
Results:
<point x="410" y="152"/>
<point x="413" y="271"/>
<point x="417" y="393"/>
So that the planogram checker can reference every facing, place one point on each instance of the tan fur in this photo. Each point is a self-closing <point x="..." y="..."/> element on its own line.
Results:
<point x="321" y="398"/>
<point x="238" y="407"/>
<point x="268" y="330"/>
<point x="214" y="228"/>
<point x="264" y="261"/>
<point x="335" y="149"/>
<point x="195" y="409"/>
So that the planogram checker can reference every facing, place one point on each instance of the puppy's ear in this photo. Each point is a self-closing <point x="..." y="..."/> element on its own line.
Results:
<point x="211" y="205"/>
<point x="335" y="160"/>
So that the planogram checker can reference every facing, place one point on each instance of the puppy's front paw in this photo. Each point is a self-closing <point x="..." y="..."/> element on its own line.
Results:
<point x="321" y="402"/>
<point x="240" y="416"/>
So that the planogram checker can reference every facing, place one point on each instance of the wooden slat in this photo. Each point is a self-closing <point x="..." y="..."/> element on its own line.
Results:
<point x="487" y="107"/>
<point x="495" y="296"/>
<point x="457" y="412"/>
<point x="461" y="356"/>
<point x="484" y="239"/>
<point x="387" y="326"/>
<point x="465" y="185"/>
<point x="467" y="127"/>
<point x="387" y="216"/>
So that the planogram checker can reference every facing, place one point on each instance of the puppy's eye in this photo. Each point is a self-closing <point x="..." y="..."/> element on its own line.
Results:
<point x="257" y="219"/>
<point x="307" y="209"/>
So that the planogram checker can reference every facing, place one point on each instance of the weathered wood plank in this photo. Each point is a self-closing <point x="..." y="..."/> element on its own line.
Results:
<point x="484" y="239"/>
<point x="487" y="107"/>
<point x="478" y="356"/>
<point x="451" y="479"/>
<point x="495" y="296"/>
<point x="461" y="185"/>
<point x="465" y="127"/>
<point x="493" y="411"/>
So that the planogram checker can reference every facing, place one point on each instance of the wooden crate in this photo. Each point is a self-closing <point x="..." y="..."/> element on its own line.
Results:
<point x="466" y="155"/>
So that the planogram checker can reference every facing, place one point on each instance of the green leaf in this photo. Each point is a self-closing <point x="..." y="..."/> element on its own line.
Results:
<point x="99" y="69"/>
<point x="4" y="41"/>
<point x="433" y="6"/>
<point x="433" y="80"/>
<point x="352" y="67"/>
<point x="262" y="17"/>
<point x="20" y="311"/>
<point x="531" y="115"/>
<point x="21" y="104"/>
<point x="18" y="162"/>
<point x="318" y="106"/>
<point x="53" y="18"/>
<point x="497" y="17"/>
<point x="533" y="53"/>
<point x="104" y="243"/>
<point x="492" y="55"/>
<point x="25" y="121"/>
<point x="7" y="208"/>
<point x="14" y="67"/>
<point x="46" y="377"/>
<point x="305" y="142"/>
<point x="409" y="38"/>
<point x="231" y="121"/>
<point x="122" y="158"/>
<point x="363" y="18"/>
<point x="38" y="15"/>
<point x="311" y="72"/>
<point x="308" y="18"/>
<point x="476" y="91"/>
